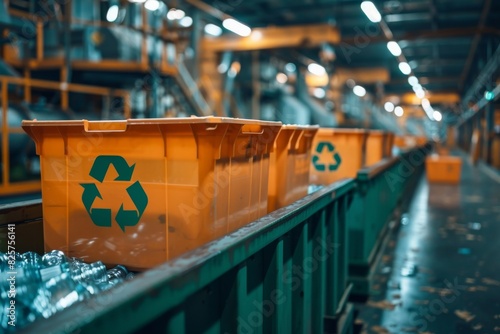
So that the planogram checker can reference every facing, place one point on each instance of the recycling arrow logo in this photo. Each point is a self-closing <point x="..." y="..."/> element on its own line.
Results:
<point x="336" y="160"/>
<point x="103" y="217"/>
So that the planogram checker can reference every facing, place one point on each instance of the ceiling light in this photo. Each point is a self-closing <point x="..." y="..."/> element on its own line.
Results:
<point x="359" y="91"/>
<point x="420" y="93"/>
<point x="489" y="95"/>
<point x="212" y="29"/>
<point x="417" y="87"/>
<point x="371" y="11"/>
<point x="179" y="14"/>
<point x="413" y="80"/>
<point x="290" y="67"/>
<point x="425" y="103"/>
<point x="237" y="27"/>
<point x="437" y="115"/>
<point x="394" y="48"/>
<point x="398" y="111"/>
<point x="112" y="13"/>
<point x="256" y="35"/>
<point x="404" y="68"/>
<point x="319" y="93"/>
<point x="316" y="69"/>
<point x="152" y="5"/>
<point x="186" y="21"/>
<point x="389" y="107"/>
<point x="137" y="1"/>
<point x="175" y="14"/>
<point x="281" y="78"/>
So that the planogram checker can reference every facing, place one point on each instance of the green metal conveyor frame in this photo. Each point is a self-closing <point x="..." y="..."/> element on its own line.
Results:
<point x="286" y="272"/>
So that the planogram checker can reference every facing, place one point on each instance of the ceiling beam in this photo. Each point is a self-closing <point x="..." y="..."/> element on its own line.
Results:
<point x="474" y="44"/>
<point x="430" y="34"/>
<point x="275" y="38"/>
<point x="434" y="98"/>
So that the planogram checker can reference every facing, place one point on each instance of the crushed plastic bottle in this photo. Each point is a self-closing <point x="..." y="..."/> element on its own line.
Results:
<point x="45" y="285"/>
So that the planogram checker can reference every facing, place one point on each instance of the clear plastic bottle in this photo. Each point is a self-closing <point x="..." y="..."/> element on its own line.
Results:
<point x="57" y="294"/>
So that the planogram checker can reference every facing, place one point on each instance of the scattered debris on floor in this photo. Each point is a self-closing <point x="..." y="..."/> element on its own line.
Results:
<point x="440" y="291"/>
<point x="465" y="315"/>
<point x="421" y="302"/>
<point x="474" y="226"/>
<point x="380" y="330"/>
<point x="477" y="288"/>
<point x="383" y="304"/>
<point x="477" y="327"/>
<point x="489" y="281"/>
<point x="464" y="251"/>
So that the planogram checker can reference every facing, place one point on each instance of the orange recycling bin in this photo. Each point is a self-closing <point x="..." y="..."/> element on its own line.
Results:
<point x="337" y="154"/>
<point x="389" y="143"/>
<point x="443" y="169"/>
<point x="375" y="147"/>
<point x="139" y="192"/>
<point x="289" y="165"/>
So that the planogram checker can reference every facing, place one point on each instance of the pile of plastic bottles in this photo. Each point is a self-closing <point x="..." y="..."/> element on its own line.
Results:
<point x="34" y="286"/>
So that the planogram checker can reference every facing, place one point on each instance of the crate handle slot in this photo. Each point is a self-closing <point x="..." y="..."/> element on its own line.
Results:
<point x="252" y="132"/>
<point x="99" y="126"/>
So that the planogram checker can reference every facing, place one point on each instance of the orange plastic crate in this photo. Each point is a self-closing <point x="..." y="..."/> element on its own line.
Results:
<point x="140" y="192"/>
<point x="443" y="169"/>
<point x="389" y="143"/>
<point x="289" y="165"/>
<point x="337" y="154"/>
<point x="375" y="147"/>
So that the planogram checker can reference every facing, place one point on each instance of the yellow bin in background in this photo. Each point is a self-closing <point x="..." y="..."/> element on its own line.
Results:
<point x="375" y="146"/>
<point x="443" y="169"/>
<point x="289" y="165"/>
<point x="142" y="191"/>
<point x="337" y="154"/>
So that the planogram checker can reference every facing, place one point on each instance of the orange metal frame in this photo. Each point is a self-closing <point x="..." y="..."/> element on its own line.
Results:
<point x="6" y="187"/>
<point x="41" y="62"/>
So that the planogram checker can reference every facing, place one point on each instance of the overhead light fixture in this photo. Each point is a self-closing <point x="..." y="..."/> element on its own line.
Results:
<point x="412" y="80"/>
<point x="404" y="68"/>
<point x="281" y="78"/>
<point x="417" y="87"/>
<point x="175" y="14"/>
<point x="112" y="13"/>
<point x="359" y="91"/>
<point x="489" y="95"/>
<point x="420" y="93"/>
<point x="425" y="103"/>
<point x="389" y="107"/>
<point x="437" y="115"/>
<point x="179" y="14"/>
<point x="316" y="69"/>
<point x="152" y="5"/>
<point x="256" y="35"/>
<point x="137" y="1"/>
<point x="290" y="67"/>
<point x="371" y="11"/>
<point x="213" y="30"/>
<point x="237" y="27"/>
<point x="186" y="21"/>
<point x="394" y="48"/>
<point x="319" y="93"/>
<point x="398" y="111"/>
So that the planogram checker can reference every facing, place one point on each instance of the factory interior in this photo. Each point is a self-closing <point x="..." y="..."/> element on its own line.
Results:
<point x="259" y="166"/>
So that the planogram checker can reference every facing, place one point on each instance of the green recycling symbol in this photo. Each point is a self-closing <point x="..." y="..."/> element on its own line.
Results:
<point x="321" y="167"/>
<point x="102" y="217"/>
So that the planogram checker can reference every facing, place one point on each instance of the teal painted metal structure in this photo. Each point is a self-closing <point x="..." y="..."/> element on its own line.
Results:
<point x="381" y="190"/>
<point x="284" y="273"/>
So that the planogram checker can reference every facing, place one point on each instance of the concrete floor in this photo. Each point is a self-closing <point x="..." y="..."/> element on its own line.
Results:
<point x="440" y="272"/>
